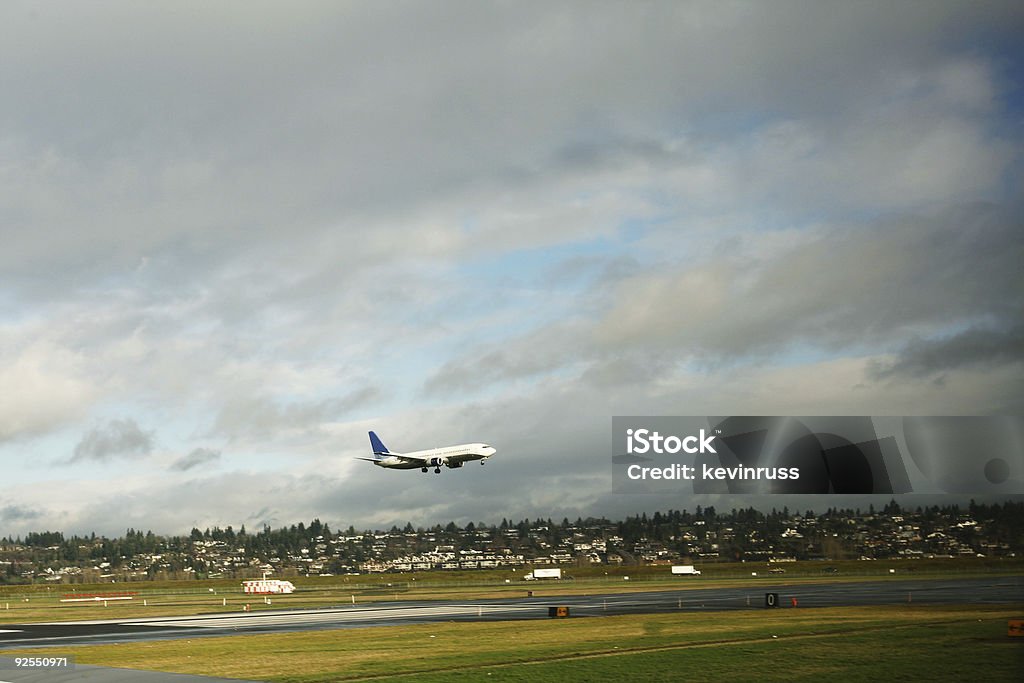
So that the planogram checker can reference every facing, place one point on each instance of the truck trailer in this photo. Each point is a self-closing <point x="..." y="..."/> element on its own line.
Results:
<point x="267" y="587"/>
<point x="538" y="574"/>
<point x="685" y="570"/>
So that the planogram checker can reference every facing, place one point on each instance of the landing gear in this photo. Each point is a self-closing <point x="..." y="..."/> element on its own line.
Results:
<point x="437" y="471"/>
<point x="424" y="470"/>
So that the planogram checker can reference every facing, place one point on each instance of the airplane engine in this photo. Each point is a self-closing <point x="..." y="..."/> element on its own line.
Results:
<point x="438" y="462"/>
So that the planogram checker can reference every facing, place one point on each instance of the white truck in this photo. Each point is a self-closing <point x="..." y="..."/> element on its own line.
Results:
<point x="685" y="570"/>
<point x="267" y="587"/>
<point x="538" y="574"/>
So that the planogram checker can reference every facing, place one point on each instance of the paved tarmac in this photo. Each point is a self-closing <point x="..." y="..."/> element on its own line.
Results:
<point x="985" y="591"/>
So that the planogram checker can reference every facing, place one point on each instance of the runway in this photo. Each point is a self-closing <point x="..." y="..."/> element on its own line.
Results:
<point x="988" y="591"/>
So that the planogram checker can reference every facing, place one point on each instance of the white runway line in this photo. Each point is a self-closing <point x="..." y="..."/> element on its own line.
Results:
<point x="334" y="616"/>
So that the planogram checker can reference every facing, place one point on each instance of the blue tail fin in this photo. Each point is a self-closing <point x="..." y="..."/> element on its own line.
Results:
<point x="378" y="446"/>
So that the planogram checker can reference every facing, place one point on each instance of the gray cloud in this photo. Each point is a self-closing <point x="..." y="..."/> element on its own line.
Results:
<point x="260" y="417"/>
<point x="199" y="456"/>
<point x="52" y="387"/>
<point x="535" y="353"/>
<point x="971" y="348"/>
<point x="831" y="290"/>
<point x="118" y="439"/>
<point x="319" y="124"/>
<point x="18" y="513"/>
<point x="839" y="289"/>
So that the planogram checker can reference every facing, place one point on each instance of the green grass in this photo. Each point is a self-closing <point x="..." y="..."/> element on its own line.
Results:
<point x="950" y="651"/>
<point x="854" y="643"/>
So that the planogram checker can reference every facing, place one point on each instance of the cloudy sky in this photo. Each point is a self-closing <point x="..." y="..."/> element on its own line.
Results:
<point x="236" y="236"/>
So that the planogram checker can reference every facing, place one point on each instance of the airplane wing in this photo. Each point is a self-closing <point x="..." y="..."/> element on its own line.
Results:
<point x="407" y="458"/>
<point x="410" y="458"/>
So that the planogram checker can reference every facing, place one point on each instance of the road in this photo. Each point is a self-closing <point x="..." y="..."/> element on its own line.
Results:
<point x="986" y="591"/>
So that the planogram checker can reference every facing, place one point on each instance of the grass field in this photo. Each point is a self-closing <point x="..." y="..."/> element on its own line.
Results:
<point x="850" y="643"/>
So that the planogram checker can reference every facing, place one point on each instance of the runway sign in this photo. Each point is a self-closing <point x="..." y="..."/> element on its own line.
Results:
<point x="771" y="599"/>
<point x="1015" y="627"/>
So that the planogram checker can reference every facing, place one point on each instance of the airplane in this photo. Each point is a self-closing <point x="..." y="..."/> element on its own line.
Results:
<point x="449" y="456"/>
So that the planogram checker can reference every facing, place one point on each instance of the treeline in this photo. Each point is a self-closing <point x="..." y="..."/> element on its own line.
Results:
<point x="287" y="540"/>
<point x="299" y="535"/>
<point x="678" y="530"/>
<point x="50" y="548"/>
<point x="268" y="542"/>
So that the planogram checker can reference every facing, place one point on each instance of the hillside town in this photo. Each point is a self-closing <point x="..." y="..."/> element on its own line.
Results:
<point x="704" y="536"/>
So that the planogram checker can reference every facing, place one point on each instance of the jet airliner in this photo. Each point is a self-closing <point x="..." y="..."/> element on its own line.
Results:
<point x="448" y="456"/>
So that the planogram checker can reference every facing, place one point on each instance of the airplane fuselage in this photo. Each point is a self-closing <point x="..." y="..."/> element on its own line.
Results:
<point x="446" y="456"/>
<point x="452" y="456"/>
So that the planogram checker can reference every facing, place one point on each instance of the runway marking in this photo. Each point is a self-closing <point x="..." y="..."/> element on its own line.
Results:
<point x="10" y="630"/>
<point x="339" y="616"/>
